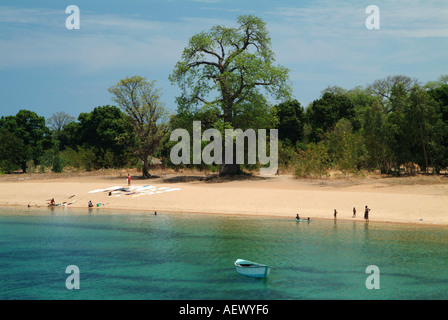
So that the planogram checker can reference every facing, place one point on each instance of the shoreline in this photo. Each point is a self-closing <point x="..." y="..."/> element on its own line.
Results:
<point x="292" y="219"/>
<point x="354" y="220"/>
<point x="403" y="200"/>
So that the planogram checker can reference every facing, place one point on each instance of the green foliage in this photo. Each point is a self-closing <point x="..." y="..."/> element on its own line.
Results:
<point x="228" y="73"/>
<point x="52" y="159"/>
<point x="288" y="154"/>
<point x="140" y="100"/>
<point x="31" y="135"/>
<point x="12" y="151"/>
<point x="384" y="89"/>
<point x="226" y="76"/>
<point x="79" y="158"/>
<point x="394" y="122"/>
<point x="362" y="101"/>
<point x="408" y="126"/>
<point x="375" y="138"/>
<point x="438" y="146"/>
<point x="232" y="63"/>
<point x="344" y="147"/>
<point x="313" y="162"/>
<point x="440" y="95"/>
<point x="291" y="120"/>
<point x="105" y="131"/>
<point x="325" y="112"/>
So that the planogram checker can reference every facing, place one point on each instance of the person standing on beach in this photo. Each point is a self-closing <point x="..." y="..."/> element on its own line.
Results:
<point x="129" y="179"/>
<point x="354" y="212"/>
<point x="366" y="214"/>
<point x="335" y="213"/>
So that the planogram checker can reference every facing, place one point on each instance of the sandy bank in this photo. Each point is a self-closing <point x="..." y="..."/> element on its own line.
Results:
<point x="421" y="200"/>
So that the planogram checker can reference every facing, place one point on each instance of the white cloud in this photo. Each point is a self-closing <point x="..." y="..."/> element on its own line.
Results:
<point x="322" y="34"/>
<point x="103" y="41"/>
<point x="29" y="16"/>
<point x="206" y="1"/>
<point x="89" y="53"/>
<point x="398" y="19"/>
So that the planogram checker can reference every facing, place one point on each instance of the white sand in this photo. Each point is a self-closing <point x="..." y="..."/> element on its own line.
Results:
<point x="422" y="200"/>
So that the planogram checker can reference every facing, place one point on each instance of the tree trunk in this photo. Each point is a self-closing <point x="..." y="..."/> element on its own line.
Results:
<point x="229" y="169"/>
<point x="23" y="166"/>
<point x="424" y="148"/>
<point x="145" y="169"/>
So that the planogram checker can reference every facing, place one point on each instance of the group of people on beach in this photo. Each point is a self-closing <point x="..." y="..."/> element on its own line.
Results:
<point x="335" y="213"/>
<point x="366" y="213"/>
<point x="298" y="218"/>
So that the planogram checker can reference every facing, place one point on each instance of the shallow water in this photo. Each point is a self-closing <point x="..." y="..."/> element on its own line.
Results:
<point x="190" y="256"/>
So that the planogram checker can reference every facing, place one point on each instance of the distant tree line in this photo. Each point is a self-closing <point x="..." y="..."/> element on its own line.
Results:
<point x="107" y="137"/>
<point x="29" y="142"/>
<point x="390" y="124"/>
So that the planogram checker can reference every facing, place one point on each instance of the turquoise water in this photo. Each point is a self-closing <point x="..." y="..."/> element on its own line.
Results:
<point x="180" y="256"/>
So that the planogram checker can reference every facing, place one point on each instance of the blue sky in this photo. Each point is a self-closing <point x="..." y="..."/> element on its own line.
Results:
<point x="46" y="68"/>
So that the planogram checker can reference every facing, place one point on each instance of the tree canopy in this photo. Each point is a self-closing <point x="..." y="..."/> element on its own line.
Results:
<point x="291" y="120"/>
<point x="102" y="132"/>
<point x="140" y="100"/>
<point x="229" y="73"/>
<point x="325" y="112"/>
<point x="31" y="138"/>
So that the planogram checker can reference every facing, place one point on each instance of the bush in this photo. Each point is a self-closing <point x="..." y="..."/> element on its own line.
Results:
<point x="82" y="158"/>
<point x="51" y="159"/>
<point x="345" y="148"/>
<point x="313" y="162"/>
<point x="287" y="154"/>
<point x="7" y="166"/>
<point x="58" y="164"/>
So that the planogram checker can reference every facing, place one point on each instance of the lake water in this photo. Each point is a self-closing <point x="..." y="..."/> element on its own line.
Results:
<point x="190" y="257"/>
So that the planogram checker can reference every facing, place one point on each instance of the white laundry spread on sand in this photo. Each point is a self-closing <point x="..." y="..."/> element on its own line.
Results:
<point x="134" y="191"/>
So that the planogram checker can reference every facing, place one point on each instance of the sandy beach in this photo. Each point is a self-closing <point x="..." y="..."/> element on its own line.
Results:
<point x="420" y="199"/>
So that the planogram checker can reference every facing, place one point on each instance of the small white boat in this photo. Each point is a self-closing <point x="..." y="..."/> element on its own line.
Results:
<point x="252" y="269"/>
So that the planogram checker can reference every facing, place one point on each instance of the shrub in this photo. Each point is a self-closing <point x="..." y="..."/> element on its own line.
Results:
<point x="313" y="162"/>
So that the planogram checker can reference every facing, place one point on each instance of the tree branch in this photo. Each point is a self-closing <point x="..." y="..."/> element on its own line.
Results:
<point x="201" y="99"/>
<point x="212" y="53"/>
<point x="199" y="63"/>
